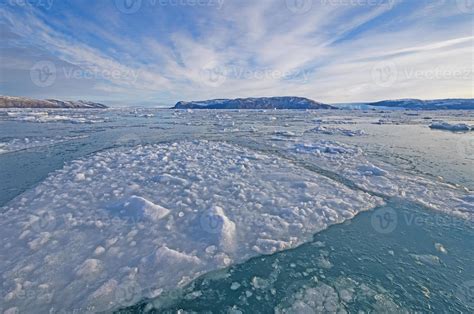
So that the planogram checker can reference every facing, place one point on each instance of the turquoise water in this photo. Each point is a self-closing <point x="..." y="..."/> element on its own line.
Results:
<point x="349" y="257"/>
<point x="399" y="258"/>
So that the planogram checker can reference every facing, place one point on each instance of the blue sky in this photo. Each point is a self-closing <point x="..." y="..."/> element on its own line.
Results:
<point x="157" y="52"/>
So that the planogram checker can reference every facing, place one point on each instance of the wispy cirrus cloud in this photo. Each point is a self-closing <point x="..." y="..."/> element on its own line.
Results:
<point x="159" y="52"/>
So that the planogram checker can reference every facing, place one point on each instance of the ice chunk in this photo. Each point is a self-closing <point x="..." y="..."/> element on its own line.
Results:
<point x="235" y="286"/>
<point x="99" y="250"/>
<point x="371" y="170"/>
<point x="427" y="259"/>
<point x="324" y="147"/>
<point x="80" y="176"/>
<point x="259" y="283"/>
<point x="138" y="208"/>
<point x="320" y="299"/>
<point x="461" y="127"/>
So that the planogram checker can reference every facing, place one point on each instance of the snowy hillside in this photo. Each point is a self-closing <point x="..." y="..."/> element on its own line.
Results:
<point x="22" y="102"/>
<point x="438" y="104"/>
<point x="254" y="103"/>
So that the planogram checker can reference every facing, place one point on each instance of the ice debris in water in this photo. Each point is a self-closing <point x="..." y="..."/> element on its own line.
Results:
<point x="320" y="299"/>
<point x="336" y="297"/>
<point x="426" y="259"/>
<point x="138" y="208"/>
<point x="440" y="248"/>
<point x="324" y="147"/>
<point x="371" y="170"/>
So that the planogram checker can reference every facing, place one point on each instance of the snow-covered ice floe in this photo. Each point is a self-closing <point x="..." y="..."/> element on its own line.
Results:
<point x="351" y="163"/>
<point x="334" y="298"/>
<point x="126" y="224"/>
<point x="461" y="127"/>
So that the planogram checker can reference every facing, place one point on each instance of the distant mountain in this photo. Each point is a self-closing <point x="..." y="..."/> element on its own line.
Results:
<point x="21" y="102"/>
<point x="439" y="104"/>
<point x="254" y="103"/>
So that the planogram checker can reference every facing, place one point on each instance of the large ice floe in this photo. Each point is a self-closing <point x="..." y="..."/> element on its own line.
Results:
<point x="125" y="224"/>
<point x="324" y="298"/>
<point x="352" y="164"/>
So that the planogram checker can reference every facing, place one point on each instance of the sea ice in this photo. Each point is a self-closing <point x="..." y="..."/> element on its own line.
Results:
<point x="461" y="127"/>
<point x="351" y="163"/>
<point x="156" y="217"/>
<point x="336" y="297"/>
<point x="427" y="259"/>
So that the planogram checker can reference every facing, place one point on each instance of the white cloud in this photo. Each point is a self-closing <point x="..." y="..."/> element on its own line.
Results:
<point x="262" y="48"/>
